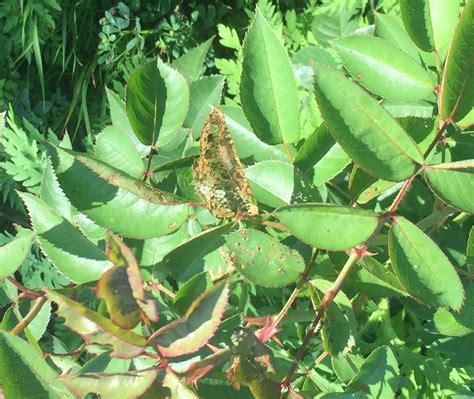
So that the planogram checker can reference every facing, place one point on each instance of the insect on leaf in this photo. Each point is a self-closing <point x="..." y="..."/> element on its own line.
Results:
<point x="218" y="173"/>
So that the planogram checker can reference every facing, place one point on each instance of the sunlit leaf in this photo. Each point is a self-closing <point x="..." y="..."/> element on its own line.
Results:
<point x="328" y="226"/>
<point x="384" y="69"/>
<point x="157" y="102"/>
<point x="423" y="269"/>
<point x="24" y="373"/>
<point x="95" y="328"/>
<point x="365" y="131"/>
<point x="197" y="326"/>
<point x="268" y="87"/>
<point x="457" y="88"/>
<point x="127" y="385"/>
<point x="73" y="254"/>
<point x="14" y="253"/>
<point x="115" y="200"/>
<point x="263" y="259"/>
<point x="190" y="63"/>
<point x="453" y="183"/>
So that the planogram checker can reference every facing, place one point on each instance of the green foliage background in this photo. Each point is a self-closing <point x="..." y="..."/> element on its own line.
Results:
<point x="64" y="71"/>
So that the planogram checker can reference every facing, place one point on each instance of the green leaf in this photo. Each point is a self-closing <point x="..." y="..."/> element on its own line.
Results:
<point x="263" y="259"/>
<point x="461" y="146"/>
<point x="430" y="23"/>
<point x="115" y="148"/>
<point x="453" y="183"/>
<point x="423" y="269"/>
<point x="38" y="325"/>
<point x="95" y="328"/>
<point x="248" y="145"/>
<point x="328" y="226"/>
<point x="330" y="165"/>
<point x="64" y="245"/>
<point x="457" y="324"/>
<point x="118" y="115"/>
<point x="405" y="109"/>
<point x="114" y="200"/>
<point x="24" y="373"/>
<point x="129" y="385"/>
<point x="187" y="259"/>
<point x="157" y="102"/>
<point x="390" y="28"/>
<point x="326" y="28"/>
<point x="271" y="182"/>
<point x="197" y="326"/>
<point x="205" y="94"/>
<point x="121" y="287"/>
<point x="52" y="194"/>
<point x="417" y="21"/>
<point x="14" y="253"/>
<point x="314" y="148"/>
<point x="379" y="374"/>
<point x="366" y="132"/>
<point x="312" y="56"/>
<point x="268" y="91"/>
<point x="339" y="326"/>
<point x="190" y="63"/>
<point x="457" y="87"/>
<point x="383" y="68"/>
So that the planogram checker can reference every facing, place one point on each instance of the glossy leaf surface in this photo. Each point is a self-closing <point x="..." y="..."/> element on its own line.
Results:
<point x="366" y="132"/>
<point x="328" y="226"/>
<point x="423" y="269"/>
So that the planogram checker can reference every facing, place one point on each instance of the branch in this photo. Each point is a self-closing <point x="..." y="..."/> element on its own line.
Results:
<point x="29" y="317"/>
<point x="329" y="296"/>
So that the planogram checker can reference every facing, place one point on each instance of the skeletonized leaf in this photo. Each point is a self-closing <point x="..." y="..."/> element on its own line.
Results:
<point x="457" y="87"/>
<point x="383" y="68"/>
<point x="328" y="226"/>
<point x="14" y="253"/>
<point x="268" y="89"/>
<point x="197" y="326"/>
<point x="263" y="259"/>
<point x="365" y="131"/>
<point x="423" y="269"/>
<point x="218" y="173"/>
<point x="453" y="183"/>
<point x="157" y="102"/>
<point x="115" y="200"/>
<point x="65" y="246"/>
<point x="95" y="328"/>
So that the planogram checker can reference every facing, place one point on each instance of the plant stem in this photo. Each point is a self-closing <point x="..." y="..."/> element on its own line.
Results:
<point x="25" y="291"/>
<point x="398" y="199"/>
<point x="29" y="317"/>
<point x="146" y="174"/>
<point x="441" y="130"/>
<point x="329" y="296"/>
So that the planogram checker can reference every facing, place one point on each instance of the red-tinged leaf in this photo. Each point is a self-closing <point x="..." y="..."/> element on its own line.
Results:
<point x="95" y="328"/>
<point x="121" y="287"/>
<point x="197" y="326"/>
<point x="110" y="385"/>
<point x="199" y="369"/>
